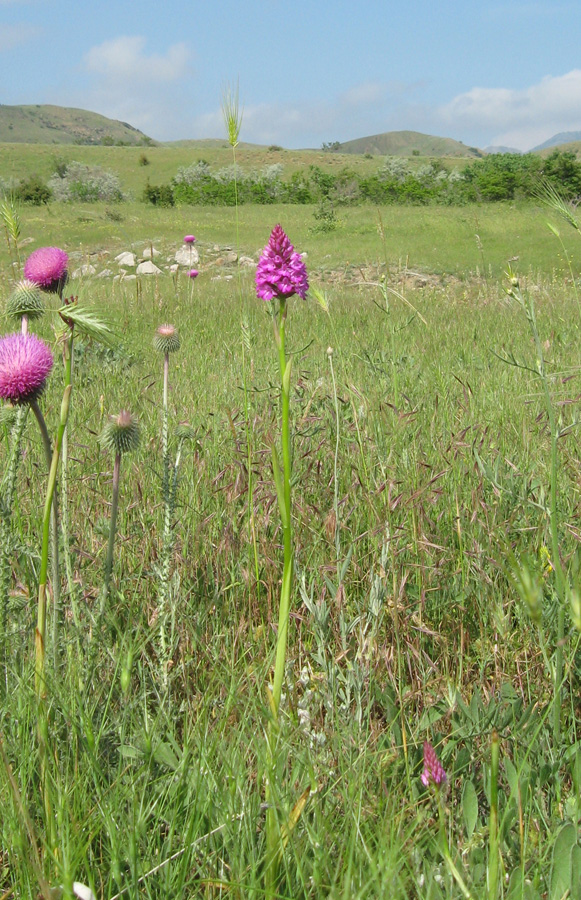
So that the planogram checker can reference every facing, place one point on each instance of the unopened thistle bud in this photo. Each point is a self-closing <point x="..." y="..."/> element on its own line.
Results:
<point x="166" y="339"/>
<point x="25" y="300"/>
<point x="121" y="433"/>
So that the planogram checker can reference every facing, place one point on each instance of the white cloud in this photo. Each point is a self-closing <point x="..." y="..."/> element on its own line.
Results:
<point x="518" y="118"/>
<point x="16" y="34"/>
<point x="124" y="58"/>
<point x="367" y="94"/>
<point x="123" y="81"/>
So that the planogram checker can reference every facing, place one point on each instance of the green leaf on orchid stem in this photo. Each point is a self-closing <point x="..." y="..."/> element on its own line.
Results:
<point x="279" y="487"/>
<point x="294" y="817"/>
<point x="286" y="377"/>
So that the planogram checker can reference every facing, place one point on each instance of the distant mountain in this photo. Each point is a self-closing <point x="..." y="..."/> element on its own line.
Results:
<point x="408" y="143"/>
<point x="502" y="150"/>
<point x="64" y="125"/>
<point x="564" y="137"/>
<point x="212" y="144"/>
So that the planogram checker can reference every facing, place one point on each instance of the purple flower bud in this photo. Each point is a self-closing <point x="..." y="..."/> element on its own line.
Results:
<point x="189" y="239"/>
<point x="433" y="769"/>
<point x="47" y="268"/>
<point x="25" y="364"/>
<point x="281" y="271"/>
<point x="193" y="273"/>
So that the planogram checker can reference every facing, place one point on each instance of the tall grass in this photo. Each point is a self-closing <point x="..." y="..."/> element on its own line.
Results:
<point x="423" y="462"/>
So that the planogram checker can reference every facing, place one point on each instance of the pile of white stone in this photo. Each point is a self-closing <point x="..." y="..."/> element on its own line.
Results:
<point x="130" y="265"/>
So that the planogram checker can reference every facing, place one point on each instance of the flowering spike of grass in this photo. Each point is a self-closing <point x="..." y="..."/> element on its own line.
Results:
<point x="87" y="322"/>
<point x="232" y="113"/>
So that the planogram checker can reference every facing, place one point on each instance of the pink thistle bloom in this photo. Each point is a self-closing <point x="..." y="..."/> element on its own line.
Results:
<point x="281" y="271"/>
<point x="433" y="769"/>
<point x="25" y="364"/>
<point x="193" y="273"/>
<point x="47" y="268"/>
<point x="189" y="239"/>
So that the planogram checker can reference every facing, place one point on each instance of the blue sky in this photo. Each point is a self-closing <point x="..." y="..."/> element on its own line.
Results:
<point x="309" y="71"/>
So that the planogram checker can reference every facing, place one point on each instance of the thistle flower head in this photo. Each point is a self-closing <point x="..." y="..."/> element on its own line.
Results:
<point x="189" y="239"/>
<point x="121" y="433"/>
<point x="166" y="339"/>
<point x="47" y="267"/>
<point x="281" y="271"/>
<point x="433" y="769"/>
<point x="25" y="364"/>
<point x="25" y="300"/>
<point x="193" y="273"/>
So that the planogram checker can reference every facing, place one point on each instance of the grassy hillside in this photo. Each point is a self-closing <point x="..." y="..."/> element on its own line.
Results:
<point x="569" y="147"/>
<point x="63" y="125"/>
<point x="21" y="160"/>
<point x="409" y="143"/>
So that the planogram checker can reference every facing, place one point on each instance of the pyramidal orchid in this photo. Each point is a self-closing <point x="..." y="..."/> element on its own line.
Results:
<point x="433" y="773"/>
<point x="281" y="273"/>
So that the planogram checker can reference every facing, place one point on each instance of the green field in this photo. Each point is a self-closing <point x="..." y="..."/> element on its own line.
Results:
<point x="427" y="598"/>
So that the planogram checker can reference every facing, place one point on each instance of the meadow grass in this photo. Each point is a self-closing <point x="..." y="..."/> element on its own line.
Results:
<point x="410" y="627"/>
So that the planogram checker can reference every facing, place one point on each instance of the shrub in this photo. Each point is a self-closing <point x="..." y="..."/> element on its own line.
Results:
<point x="86" y="184"/>
<point x="161" y="195"/>
<point x="33" y="191"/>
<point x="143" y="160"/>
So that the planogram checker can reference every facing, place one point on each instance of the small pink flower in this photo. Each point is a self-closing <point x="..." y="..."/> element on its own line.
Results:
<point x="47" y="268"/>
<point x="25" y="364"/>
<point x="193" y="273"/>
<point x="281" y="271"/>
<point x="189" y="239"/>
<point x="433" y="769"/>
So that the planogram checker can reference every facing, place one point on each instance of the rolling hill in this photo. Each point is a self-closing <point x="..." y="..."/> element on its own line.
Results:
<point x="64" y="125"/>
<point x="408" y="143"/>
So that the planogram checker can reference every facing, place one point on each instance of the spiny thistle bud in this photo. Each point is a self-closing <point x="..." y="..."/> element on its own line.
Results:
<point x="25" y="300"/>
<point x="7" y="415"/>
<point x="121" y="433"/>
<point x="166" y="339"/>
<point x="189" y="239"/>
<point x="47" y="267"/>
<point x="25" y="364"/>
<point x="185" y="432"/>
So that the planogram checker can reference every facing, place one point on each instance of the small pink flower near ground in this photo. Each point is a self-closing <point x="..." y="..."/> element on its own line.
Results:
<point x="25" y="364"/>
<point x="189" y="239"/>
<point x="193" y="273"/>
<point x="433" y="769"/>
<point x="47" y="268"/>
<point x="281" y="271"/>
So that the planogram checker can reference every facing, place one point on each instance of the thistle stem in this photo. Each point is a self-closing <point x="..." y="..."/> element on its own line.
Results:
<point x="112" y="530"/>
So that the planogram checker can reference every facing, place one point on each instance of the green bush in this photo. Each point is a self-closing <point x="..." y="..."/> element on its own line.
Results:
<point x="33" y="191"/>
